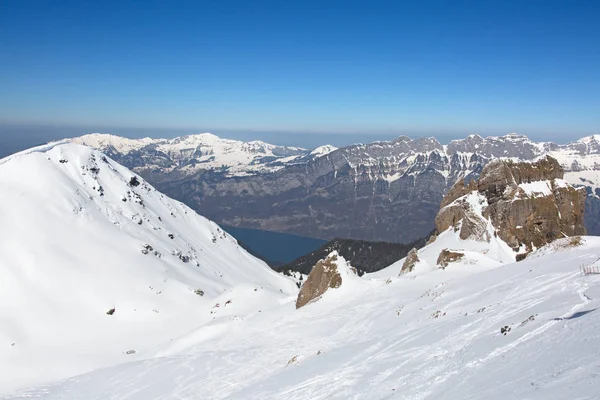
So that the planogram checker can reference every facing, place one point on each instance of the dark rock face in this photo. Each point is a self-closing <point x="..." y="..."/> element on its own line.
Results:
<point x="522" y="218"/>
<point x="382" y="191"/>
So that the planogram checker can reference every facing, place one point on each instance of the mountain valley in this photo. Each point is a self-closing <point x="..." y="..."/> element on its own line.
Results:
<point x="364" y="191"/>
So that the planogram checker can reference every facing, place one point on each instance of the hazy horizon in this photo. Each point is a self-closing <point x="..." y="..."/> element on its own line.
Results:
<point x="17" y="137"/>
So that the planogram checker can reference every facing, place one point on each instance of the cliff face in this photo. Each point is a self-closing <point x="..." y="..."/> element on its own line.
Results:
<point x="528" y="204"/>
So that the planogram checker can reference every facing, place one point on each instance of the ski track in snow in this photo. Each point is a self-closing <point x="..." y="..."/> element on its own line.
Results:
<point x="369" y="351"/>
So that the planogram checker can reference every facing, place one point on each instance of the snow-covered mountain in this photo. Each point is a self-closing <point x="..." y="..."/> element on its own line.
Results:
<point x="187" y="155"/>
<point x="364" y="191"/>
<point x="130" y="295"/>
<point x="99" y="268"/>
<point x="481" y="327"/>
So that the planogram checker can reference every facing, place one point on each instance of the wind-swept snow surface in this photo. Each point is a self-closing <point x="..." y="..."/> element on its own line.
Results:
<point x="527" y="330"/>
<point x="98" y="268"/>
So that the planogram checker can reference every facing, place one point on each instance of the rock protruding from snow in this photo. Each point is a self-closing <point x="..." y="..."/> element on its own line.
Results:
<point x="448" y="257"/>
<point x="326" y="274"/>
<point x="410" y="261"/>
<point x="467" y="210"/>
<point x="528" y="204"/>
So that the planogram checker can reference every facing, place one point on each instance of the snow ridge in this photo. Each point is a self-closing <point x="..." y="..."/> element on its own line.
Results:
<point x="94" y="263"/>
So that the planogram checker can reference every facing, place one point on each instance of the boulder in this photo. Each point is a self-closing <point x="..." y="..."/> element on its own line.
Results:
<point x="448" y="257"/>
<point x="410" y="261"/>
<point x="325" y="275"/>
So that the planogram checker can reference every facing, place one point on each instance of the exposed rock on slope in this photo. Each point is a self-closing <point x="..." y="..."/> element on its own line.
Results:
<point x="326" y="274"/>
<point x="448" y="257"/>
<point x="409" y="263"/>
<point x="363" y="255"/>
<point x="528" y="204"/>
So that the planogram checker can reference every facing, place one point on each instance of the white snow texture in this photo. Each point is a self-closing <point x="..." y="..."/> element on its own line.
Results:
<point x="70" y="252"/>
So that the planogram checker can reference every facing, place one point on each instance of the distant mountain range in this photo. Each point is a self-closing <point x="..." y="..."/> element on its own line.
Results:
<point x="382" y="191"/>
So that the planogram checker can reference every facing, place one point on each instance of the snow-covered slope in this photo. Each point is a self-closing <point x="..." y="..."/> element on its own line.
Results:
<point x="431" y="334"/>
<point x="323" y="150"/>
<point x="482" y="327"/>
<point x="95" y="263"/>
<point x="193" y="153"/>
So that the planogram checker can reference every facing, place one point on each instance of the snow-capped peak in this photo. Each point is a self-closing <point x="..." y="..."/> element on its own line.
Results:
<point x="191" y="153"/>
<point x="323" y="150"/>
<point x="103" y="140"/>
<point x="589" y="139"/>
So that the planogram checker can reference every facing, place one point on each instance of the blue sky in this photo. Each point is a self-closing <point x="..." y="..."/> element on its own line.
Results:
<point x="444" y="68"/>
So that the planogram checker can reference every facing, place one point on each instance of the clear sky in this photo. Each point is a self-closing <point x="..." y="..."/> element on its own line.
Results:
<point x="443" y="68"/>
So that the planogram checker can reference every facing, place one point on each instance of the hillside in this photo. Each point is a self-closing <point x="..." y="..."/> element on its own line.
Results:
<point x="431" y="334"/>
<point x="98" y="268"/>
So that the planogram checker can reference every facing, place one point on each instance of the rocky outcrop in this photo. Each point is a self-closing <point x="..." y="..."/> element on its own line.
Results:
<point x="324" y="276"/>
<point x="528" y="205"/>
<point x="409" y="263"/>
<point x="448" y="257"/>
<point x="472" y="225"/>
